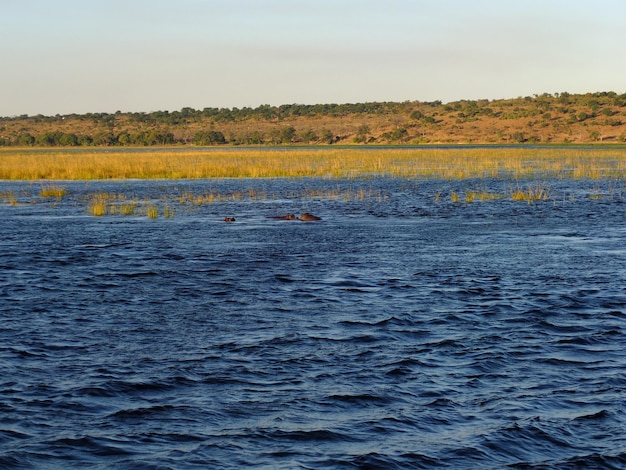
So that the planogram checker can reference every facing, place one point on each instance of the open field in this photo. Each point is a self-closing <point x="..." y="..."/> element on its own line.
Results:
<point x="442" y="163"/>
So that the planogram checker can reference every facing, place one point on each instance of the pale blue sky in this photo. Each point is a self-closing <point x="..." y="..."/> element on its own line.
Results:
<point x="78" y="56"/>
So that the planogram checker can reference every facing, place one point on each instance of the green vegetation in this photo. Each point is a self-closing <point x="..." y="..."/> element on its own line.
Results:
<point x="547" y="118"/>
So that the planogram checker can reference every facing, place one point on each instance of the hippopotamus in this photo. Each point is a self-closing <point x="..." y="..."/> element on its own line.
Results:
<point x="306" y="217"/>
<point x="229" y="219"/>
<point x="284" y="217"/>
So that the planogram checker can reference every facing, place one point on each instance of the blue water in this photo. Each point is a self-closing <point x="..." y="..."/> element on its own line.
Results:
<point x="401" y="331"/>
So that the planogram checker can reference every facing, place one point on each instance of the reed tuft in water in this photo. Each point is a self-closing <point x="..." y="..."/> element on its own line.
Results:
<point x="531" y="194"/>
<point x="53" y="191"/>
<point x="97" y="207"/>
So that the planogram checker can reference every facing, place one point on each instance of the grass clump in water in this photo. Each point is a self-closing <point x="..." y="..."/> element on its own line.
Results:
<point x="98" y="206"/>
<point x="53" y="191"/>
<point x="152" y="212"/>
<point x="127" y="208"/>
<point x="531" y="194"/>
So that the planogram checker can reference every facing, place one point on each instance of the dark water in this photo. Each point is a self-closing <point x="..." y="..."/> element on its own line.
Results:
<point x="399" y="332"/>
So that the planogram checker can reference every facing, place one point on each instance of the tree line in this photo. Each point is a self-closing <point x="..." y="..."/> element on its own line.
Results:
<point x="277" y="136"/>
<point x="263" y="112"/>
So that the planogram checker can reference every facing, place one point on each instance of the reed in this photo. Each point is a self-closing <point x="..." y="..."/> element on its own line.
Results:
<point x="531" y="194"/>
<point x="103" y="203"/>
<point x="481" y="195"/>
<point x="52" y="191"/>
<point x="152" y="212"/>
<point x="453" y="164"/>
<point x="127" y="208"/>
<point x="97" y="207"/>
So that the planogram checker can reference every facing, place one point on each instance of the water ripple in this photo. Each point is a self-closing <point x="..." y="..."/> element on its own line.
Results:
<point x="410" y="333"/>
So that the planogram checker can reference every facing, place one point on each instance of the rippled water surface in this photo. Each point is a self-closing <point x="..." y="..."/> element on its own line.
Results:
<point x="401" y="331"/>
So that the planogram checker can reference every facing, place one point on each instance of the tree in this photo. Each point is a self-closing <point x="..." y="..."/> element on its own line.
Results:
<point x="564" y="98"/>
<point x="595" y="136"/>
<point x="25" y="140"/>
<point x="209" y="138"/>
<point x="399" y="133"/>
<point x="124" y="138"/>
<point x="287" y="134"/>
<point x="362" y="133"/>
<point x="327" y="136"/>
<point x="309" y="136"/>
<point x="518" y="137"/>
<point x="68" y="140"/>
<point x="103" y="138"/>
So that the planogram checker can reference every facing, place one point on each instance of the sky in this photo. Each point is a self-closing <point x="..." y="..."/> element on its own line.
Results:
<point x="82" y="56"/>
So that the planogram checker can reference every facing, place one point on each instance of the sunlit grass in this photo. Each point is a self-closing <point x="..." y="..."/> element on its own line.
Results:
<point x="481" y="195"/>
<point x="152" y="212"/>
<point x="452" y="164"/>
<point x="53" y="191"/>
<point x="531" y="194"/>
<point x="127" y="208"/>
<point x="102" y="203"/>
<point x="97" y="206"/>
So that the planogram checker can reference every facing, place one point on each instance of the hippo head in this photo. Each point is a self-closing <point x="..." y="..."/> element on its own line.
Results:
<point x="309" y="217"/>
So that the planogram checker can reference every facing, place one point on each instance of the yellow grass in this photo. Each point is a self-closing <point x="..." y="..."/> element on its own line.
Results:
<point x="53" y="191"/>
<point x="596" y="163"/>
<point x="97" y="207"/>
<point x="530" y="194"/>
<point x="127" y="208"/>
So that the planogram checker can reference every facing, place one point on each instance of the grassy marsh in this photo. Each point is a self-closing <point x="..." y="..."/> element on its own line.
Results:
<point x="355" y="163"/>
<point x="540" y="164"/>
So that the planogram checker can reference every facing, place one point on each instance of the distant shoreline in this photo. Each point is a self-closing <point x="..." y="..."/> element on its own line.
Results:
<point x="547" y="119"/>
<point x="295" y="147"/>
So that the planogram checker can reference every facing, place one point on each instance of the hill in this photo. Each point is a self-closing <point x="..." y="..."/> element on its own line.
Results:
<point x="544" y="119"/>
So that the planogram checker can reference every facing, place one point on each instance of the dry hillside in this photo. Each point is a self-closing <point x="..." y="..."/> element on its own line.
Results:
<point x="547" y="118"/>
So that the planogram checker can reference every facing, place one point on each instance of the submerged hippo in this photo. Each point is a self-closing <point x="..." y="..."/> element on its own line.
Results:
<point x="284" y="217"/>
<point x="306" y="217"/>
<point x="229" y="219"/>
